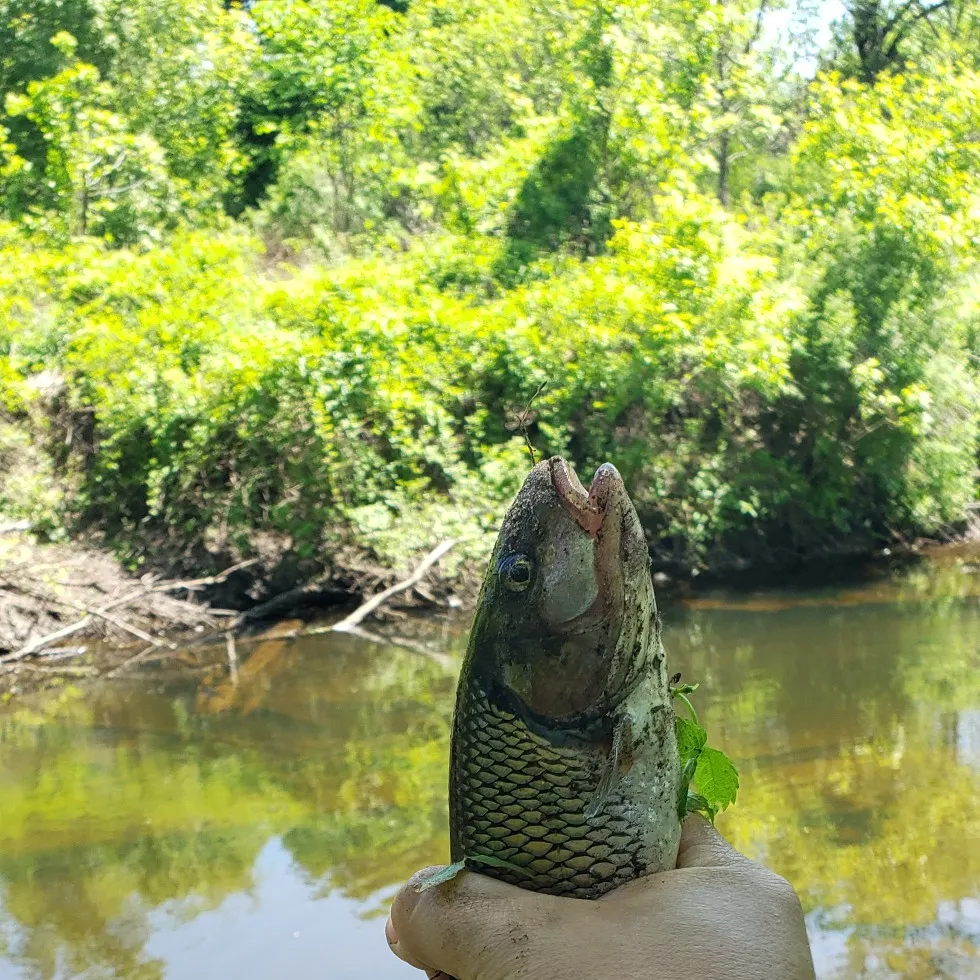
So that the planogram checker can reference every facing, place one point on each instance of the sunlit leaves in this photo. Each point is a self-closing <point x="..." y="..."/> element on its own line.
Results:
<point x="706" y="771"/>
<point x="100" y="178"/>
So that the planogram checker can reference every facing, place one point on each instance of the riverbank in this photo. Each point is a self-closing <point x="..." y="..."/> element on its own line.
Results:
<point x="199" y="403"/>
<point x="72" y="611"/>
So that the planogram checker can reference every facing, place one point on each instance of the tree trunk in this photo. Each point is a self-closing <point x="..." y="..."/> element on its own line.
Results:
<point x="724" y="148"/>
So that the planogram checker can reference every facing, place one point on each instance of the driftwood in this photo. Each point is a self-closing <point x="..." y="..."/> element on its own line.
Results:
<point x="104" y="612"/>
<point x="347" y="624"/>
<point x="282" y="603"/>
<point x="232" y="657"/>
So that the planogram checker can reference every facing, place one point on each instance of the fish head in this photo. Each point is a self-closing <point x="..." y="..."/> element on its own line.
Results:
<point x="567" y="610"/>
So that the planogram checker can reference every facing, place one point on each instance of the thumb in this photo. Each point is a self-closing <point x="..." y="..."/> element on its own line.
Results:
<point x="702" y="846"/>
<point x="471" y="928"/>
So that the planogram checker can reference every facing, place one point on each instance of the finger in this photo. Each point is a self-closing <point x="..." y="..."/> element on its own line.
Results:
<point x="703" y="847"/>
<point x="472" y="925"/>
<point x="395" y="946"/>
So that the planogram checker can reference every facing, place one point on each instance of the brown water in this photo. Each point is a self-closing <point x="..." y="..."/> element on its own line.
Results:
<point x="163" y="826"/>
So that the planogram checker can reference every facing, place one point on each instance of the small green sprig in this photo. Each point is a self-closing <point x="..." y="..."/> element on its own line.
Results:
<point x="709" y="770"/>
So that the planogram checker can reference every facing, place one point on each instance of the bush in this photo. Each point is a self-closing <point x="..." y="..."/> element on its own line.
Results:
<point x="745" y="395"/>
<point x="476" y="200"/>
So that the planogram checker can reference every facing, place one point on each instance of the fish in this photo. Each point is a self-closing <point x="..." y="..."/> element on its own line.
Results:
<point x="564" y="769"/>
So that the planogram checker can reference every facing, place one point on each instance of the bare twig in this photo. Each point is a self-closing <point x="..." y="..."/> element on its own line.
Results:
<point x="62" y="653"/>
<point x="102" y="612"/>
<point x="126" y="627"/>
<point x="757" y="33"/>
<point x="364" y="610"/>
<point x="232" y="657"/>
<point x="43" y="641"/>
<point x="198" y="583"/>
<point x="523" y="418"/>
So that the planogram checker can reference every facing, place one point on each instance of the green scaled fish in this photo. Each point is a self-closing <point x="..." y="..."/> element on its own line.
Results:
<point x="565" y="775"/>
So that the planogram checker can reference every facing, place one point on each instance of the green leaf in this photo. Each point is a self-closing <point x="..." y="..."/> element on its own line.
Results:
<point x="696" y="803"/>
<point x="691" y="739"/>
<point x="440" y="876"/>
<point x="681" y="693"/>
<point x="716" y="778"/>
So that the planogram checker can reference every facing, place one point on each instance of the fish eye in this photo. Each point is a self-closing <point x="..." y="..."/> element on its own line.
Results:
<point x="515" y="572"/>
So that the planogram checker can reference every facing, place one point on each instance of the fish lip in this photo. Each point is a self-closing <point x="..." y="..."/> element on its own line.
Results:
<point x="587" y="507"/>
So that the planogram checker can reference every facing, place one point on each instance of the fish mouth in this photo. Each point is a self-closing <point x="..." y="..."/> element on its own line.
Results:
<point x="587" y="507"/>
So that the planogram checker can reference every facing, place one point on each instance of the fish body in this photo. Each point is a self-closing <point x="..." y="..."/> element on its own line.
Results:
<point x="564" y="771"/>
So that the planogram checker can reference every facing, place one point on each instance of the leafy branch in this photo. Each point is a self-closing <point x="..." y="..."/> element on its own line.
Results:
<point x="708" y="770"/>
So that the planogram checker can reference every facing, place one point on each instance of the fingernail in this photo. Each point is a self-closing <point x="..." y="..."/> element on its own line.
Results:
<point x="390" y="934"/>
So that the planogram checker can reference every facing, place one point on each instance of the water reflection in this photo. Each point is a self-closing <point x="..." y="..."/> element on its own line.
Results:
<point x="170" y="828"/>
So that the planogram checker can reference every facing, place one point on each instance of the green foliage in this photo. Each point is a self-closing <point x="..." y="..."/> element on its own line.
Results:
<point x="759" y="299"/>
<point x="99" y="178"/>
<point x="130" y="109"/>
<point x="710" y="771"/>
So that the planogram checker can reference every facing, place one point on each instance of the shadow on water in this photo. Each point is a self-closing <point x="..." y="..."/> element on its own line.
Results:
<point x="166" y="827"/>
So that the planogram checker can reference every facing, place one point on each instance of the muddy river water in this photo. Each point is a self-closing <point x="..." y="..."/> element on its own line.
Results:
<point x="177" y="825"/>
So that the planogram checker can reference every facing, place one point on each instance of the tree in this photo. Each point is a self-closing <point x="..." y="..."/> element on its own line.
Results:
<point x="168" y="74"/>
<point x="99" y="177"/>
<point x="880" y="29"/>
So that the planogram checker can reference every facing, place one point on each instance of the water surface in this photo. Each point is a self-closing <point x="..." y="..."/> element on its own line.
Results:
<point x="177" y="826"/>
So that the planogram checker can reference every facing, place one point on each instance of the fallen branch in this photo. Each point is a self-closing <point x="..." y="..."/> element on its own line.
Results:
<point x="199" y="583"/>
<point x="43" y="641"/>
<point x="346" y="625"/>
<point x="62" y="653"/>
<point x="126" y="627"/>
<point x="80" y="624"/>
<point x="232" y="657"/>
<point x="103" y="613"/>
<point x="278" y="604"/>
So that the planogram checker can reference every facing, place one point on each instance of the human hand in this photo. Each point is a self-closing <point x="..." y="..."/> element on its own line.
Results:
<point x="718" y="915"/>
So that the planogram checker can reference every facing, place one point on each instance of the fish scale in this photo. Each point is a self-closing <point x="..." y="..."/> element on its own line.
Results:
<point x="563" y="853"/>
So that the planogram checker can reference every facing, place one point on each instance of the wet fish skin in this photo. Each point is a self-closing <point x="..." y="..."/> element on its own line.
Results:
<point x="564" y="766"/>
